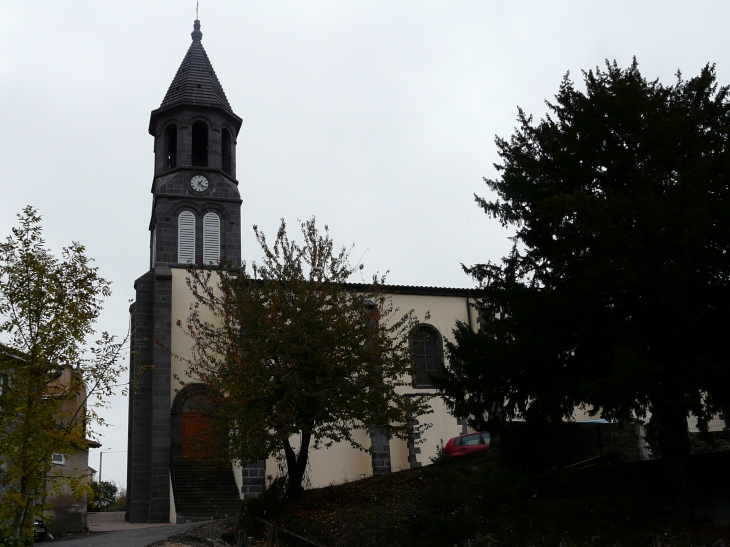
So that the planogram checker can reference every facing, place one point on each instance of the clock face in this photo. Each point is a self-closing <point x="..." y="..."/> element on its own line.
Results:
<point x="199" y="183"/>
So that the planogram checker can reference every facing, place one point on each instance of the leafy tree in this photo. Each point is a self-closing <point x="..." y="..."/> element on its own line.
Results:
<point x="52" y="384"/>
<point x="615" y="294"/>
<point x="104" y="495"/>
<point x="120" y="501"/>
<point x="292" y="356"/>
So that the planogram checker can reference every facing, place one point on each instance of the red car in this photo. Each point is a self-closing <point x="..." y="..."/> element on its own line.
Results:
<point x="466" y="444"/>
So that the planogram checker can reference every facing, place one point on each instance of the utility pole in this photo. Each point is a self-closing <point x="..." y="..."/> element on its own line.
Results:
<point x="101" y="458"/>
<point x="101" y="461"/>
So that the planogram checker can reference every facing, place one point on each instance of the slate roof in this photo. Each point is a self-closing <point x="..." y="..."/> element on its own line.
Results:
<point x="196" y="82"/>
<point x="420" y="290"/>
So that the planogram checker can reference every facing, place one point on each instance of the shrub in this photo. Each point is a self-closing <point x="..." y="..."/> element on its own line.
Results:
<point x="8" y="539"/>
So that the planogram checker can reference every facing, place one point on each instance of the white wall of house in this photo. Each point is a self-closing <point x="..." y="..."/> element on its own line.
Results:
<point x="68" y="512"/>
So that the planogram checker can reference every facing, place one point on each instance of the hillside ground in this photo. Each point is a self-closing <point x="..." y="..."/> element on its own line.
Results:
<point x="476" y="501"/>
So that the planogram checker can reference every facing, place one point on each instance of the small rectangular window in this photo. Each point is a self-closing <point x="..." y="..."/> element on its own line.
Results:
<point x="170" y="152"/>
<point x="226" y="151"/>
<point x="58" y="459"/>
<point x="154" y="247"/>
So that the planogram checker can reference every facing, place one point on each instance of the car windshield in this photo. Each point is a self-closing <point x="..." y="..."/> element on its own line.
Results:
<point x="486" y="437"/>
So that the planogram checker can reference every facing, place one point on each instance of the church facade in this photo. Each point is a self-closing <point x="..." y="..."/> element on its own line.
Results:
<point x="196" y="218"/>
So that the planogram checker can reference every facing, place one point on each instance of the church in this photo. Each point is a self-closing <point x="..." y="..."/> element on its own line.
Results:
<point x="196" y="218"/>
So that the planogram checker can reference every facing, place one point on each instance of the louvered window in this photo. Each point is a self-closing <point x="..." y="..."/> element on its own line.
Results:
<point x="211" y="239"/>
<point x="186" y="237"/>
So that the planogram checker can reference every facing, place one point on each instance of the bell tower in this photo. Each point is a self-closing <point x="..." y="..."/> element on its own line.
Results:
<point x="195" y="220"/>
<point x="196" y="202"/>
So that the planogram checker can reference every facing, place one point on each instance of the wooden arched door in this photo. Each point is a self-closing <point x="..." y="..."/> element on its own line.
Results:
<point x="198" y="439"/>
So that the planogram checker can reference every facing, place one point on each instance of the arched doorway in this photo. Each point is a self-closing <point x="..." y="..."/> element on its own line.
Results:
<point x="193" y="434"/>
<point x="197" y="438"/>
<point x="203" y="483"/>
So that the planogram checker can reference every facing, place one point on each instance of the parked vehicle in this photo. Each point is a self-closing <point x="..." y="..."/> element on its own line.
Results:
<point x="40" y="529"/>
<point x="466" y="444"/>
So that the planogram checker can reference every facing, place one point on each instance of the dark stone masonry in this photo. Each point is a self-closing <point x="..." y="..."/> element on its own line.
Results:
<point x="253" y="479"/>
<point x="379" y="452"/>
<point x="194" y="96"/>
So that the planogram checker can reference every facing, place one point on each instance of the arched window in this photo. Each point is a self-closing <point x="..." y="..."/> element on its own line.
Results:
<point x="186" y="237"/>
<point x="170" y="146"/>
<point x="200" y="144"/>
<point x="196" y="401"/>
<point x="211" y="239"/>
<point x="427" y="354"/>
<point x="226" y="151"/>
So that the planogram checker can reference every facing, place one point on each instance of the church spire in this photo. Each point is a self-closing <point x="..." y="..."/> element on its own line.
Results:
<point x="195" y="83"/>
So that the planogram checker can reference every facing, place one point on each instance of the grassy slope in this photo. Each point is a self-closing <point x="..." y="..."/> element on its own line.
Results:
<point x="480" y="501"/>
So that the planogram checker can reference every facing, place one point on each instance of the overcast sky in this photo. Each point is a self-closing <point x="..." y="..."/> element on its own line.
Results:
<point x="378" y="117"/>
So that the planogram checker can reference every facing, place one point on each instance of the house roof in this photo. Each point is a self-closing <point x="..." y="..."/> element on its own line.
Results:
<point x="421" y="290"/>
<point x="10" y="352"/>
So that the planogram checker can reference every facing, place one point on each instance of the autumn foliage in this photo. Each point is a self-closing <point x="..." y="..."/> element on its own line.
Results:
<point x="295" y="360"/>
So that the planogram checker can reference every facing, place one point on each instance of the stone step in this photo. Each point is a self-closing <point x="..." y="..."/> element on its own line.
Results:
<point x="204" y="491"/>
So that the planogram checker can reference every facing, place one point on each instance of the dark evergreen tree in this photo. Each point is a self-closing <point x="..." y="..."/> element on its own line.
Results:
<point x="616" y="292"/>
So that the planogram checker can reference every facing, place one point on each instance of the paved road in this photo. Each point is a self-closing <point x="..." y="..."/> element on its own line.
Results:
<point x="140" y="537"/>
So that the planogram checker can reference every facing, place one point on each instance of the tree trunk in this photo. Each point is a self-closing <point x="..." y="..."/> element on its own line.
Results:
<point x="296" y="465"/>
<point x="19" y="517"/>
<point x="673" y="440"/>
<point x="25" y="514"/>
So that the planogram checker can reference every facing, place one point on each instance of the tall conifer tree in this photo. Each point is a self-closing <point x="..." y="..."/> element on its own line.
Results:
<point x="616" y="293"/>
